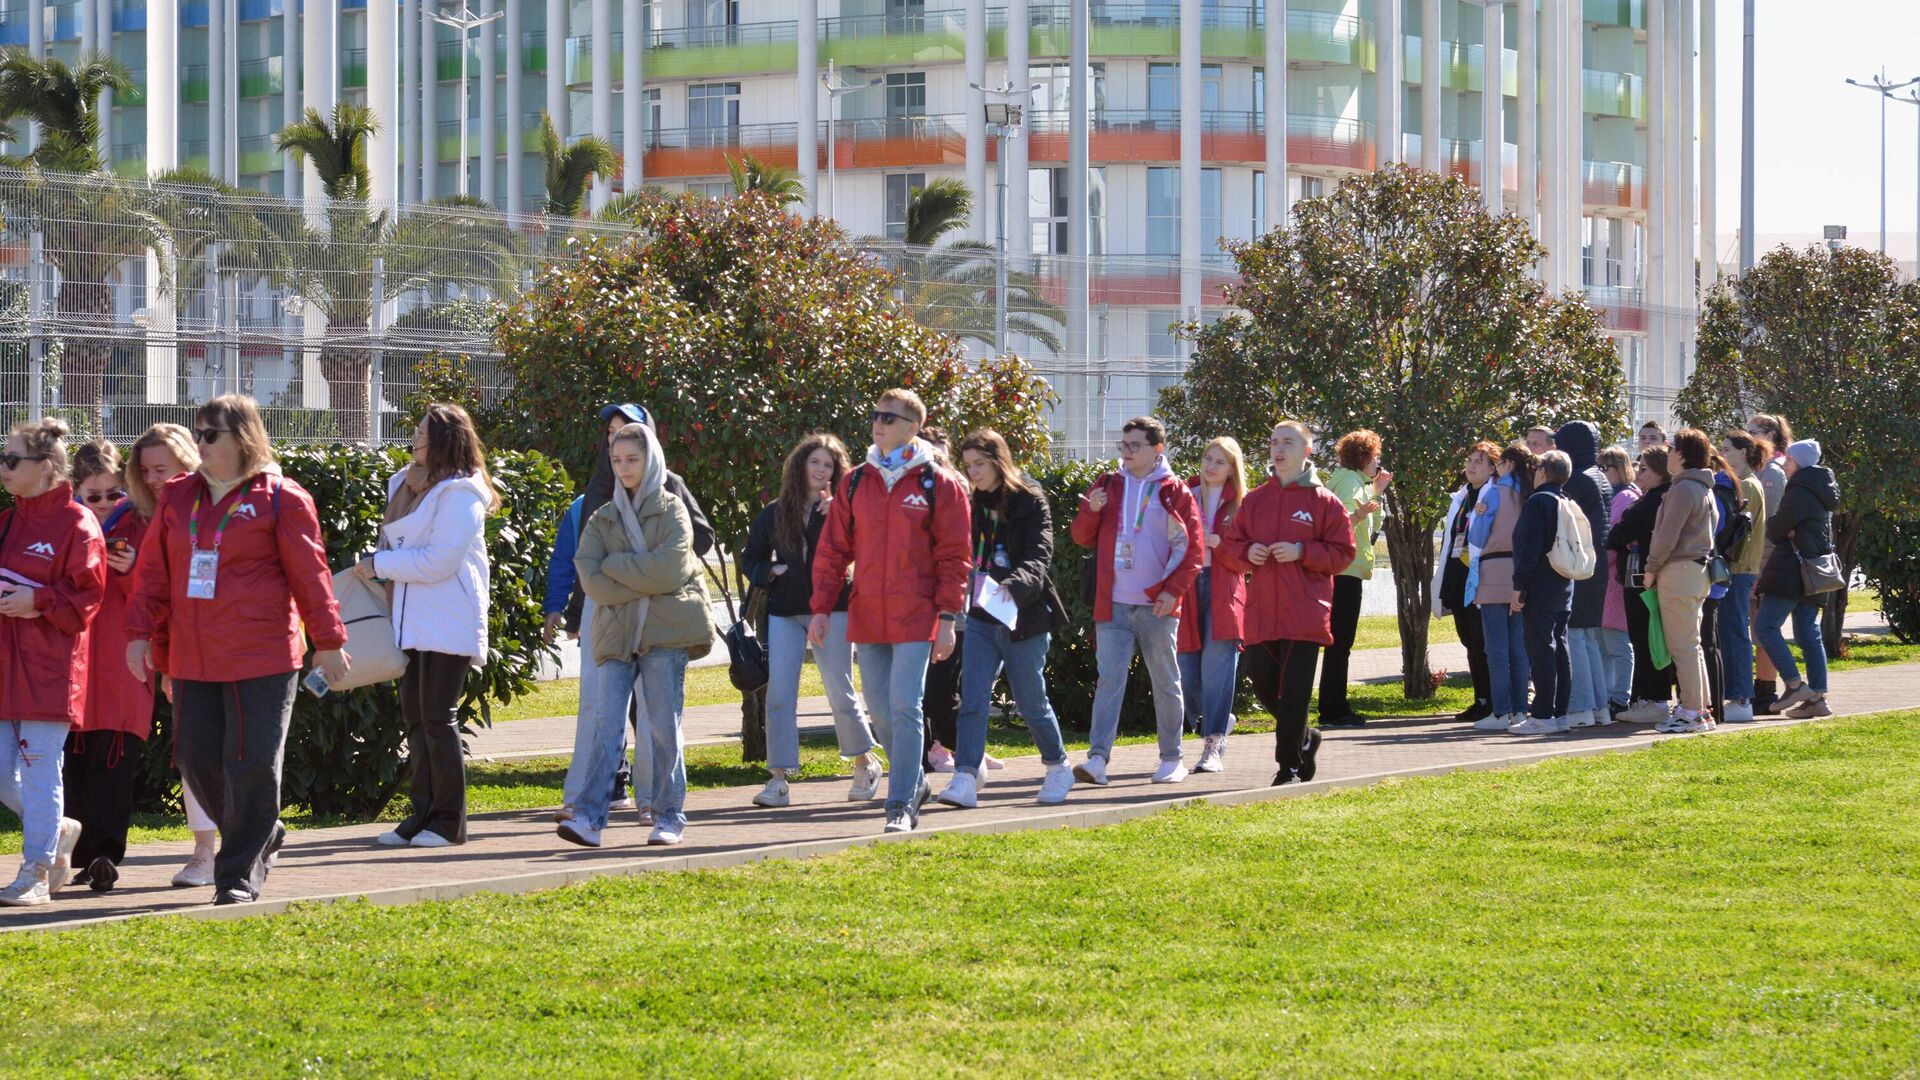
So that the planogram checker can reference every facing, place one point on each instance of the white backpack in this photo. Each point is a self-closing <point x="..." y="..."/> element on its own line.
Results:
<point x="1572" y="554"/>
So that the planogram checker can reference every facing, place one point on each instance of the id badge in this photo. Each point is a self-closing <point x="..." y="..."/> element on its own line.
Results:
<point x="202" y="566"/>
<point x="1123" y="554"/>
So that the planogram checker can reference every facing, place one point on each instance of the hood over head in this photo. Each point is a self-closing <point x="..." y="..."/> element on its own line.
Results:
<point x="1581" y="442"/>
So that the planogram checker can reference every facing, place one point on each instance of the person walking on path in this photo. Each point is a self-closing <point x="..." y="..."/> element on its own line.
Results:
<point x="1292" y="536"/>
<point x="1491" y="535"/>
<point x="901" y="523"/>
<point x="1802" y="530"/>
<point x="1544" y="599"/>
<point x="649" y="592"/>
<point x="1209" y="637"/>
<point x="1590" y="491"/>
<point x="53" y="574"/>
<point x="232" y="568"/>
<point x="1677" y="568"/>
<point x="433" y="548"/>
<point x="1143" y="526"/>
<point x="1012" y="562"/>
<point x="1746" y="456"/>
<point x="1450" y="571"/>
<point x="778" y="560"/>
<point x="1361" y="485"/>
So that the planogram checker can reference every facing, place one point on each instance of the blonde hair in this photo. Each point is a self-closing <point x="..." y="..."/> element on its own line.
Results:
<point x="46" y="438"/>
<point x="1306" y="433"/>
<point x="1236" y="468"/>
<point x="175" y="440"/>
<point x="910" y="399"/>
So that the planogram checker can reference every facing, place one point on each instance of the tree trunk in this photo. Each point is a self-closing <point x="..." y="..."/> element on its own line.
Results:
<point x="1833" y="616"/>
<point x="346" y="369"/>
<point x="83" y="362"/>
<point x="1410" y="550"/>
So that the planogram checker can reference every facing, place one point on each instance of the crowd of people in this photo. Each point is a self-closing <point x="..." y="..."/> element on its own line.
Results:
<point x="1587" y="587"/>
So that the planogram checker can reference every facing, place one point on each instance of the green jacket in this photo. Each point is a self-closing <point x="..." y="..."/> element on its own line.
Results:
<point x="613" y="576"/>
<point x="1746" y="560"/>
<point x="1354" y="490"/>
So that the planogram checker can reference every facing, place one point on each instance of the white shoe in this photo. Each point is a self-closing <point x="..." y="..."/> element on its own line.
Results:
<point x="940" y="759"/>
<point x="198" y="873"/>
<point x="777" y="793"/>
<point x="1533" y="726"/>
<point x="1739" y="712"/>
<point x="1603" y="716"/>
<point x="625" y="803"/>
<point x="1645" y="711"/>
<point x="899" y="820"/>
<point x="64" y="839"/>
<point x="663" y="836"/>
<point x="1579" y="718"/>
<point x="1495" y="723"/>
<point x="1092" y="771"/>
<point x="1683" y="723"/>
<point x="1563" y="724"/>
<point x="961" y="791"/>
<point x="866" y="781"/>
<point x="992" y="762"/>
<point x="29" y="889"/>
<point x="429" y="838"/>
<point x="1053" y="789"/>
<point x="1211" y="755"/>
<point x="645" y="818"/>
<point x="579" y="832"/>
<point x="1170" y="772"/>
<point x="565" y="813"/>
<point x="391" y="838"/>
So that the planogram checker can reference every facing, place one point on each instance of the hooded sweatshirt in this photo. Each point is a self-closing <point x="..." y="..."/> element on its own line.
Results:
<point x="1590" y="491"/>
<point x="636" y="560"/>
<point x="1290" y="601"/>
<point x="1156" y="539"/>
<point x="1683" y="530"/>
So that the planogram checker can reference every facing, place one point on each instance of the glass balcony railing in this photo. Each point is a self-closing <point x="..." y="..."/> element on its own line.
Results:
<point x="1614" y="183"/>
<point x="259" y="155"/>
<point x="256" y="10"/>
<point x="1614" y="93"/>
<point x="66" y="23"/>
<point x="13" y="28"/>
<point x="136" y="94"/>
<point x="129" y="15"/>
<point x="262" y="78"/>
<point x="353" y="68"/>
<point x="193" y="13"/>
<point x="1632" y="13"/>
<point x="193" y="84"/>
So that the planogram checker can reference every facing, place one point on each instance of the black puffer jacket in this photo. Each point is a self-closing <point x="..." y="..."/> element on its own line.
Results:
<point x="1589" y="490"/>
<point x="789" y="592"/>
<point x="1021" y="522"/>
<point x="1805" y="514"/>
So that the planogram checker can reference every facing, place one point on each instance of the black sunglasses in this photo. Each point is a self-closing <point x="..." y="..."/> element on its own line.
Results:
<point x="208" y="435"/>
<point x="12" y="461"/>
<point x="885" y="418"/>
<point x="101" y="497"/>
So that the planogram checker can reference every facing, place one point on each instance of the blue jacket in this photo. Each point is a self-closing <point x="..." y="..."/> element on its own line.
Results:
<point x="1534" y="579"/>
<point x="560" y="573"/>
<point x="1480" y="527"/>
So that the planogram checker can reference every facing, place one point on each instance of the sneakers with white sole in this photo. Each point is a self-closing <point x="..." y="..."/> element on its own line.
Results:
<point x="625" y="802"/>
<point x="866" y="782"/>
<point x="198" y="873"/>
<point x="1534" y="726"/>
<point x="1170" y="772"/>
<point x="1812" y="709"/>
<point x="664" y="836"/>
<point x="29" y="889"/>
<point x="777" y="793"/>
<point x="1683" y="723"/>
<point x="1054" y="788"/>
<point x="1495" y="723"/>
<point x="1796" y="696"/>
<point x="579" y="832"/>
<point x="64" y="840"/>
<point x="992" y="762"/>
<point x="899" y="820"/>
<point x="644" y="818"/>
<point x="1739" y="712"/>
<point x="962" y="791"/>
<point x="1211" y="755"/>
<point x="391" y="838"/>
<point x="940" y="759"/>
<point x="1580" y="718"/>
<point x="429" y="838"/>
<point x="1092" y="771"/>
<point x="1645" y="711"/>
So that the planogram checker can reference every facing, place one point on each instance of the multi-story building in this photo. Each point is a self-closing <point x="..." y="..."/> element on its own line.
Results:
<point x="1592" y="105"/>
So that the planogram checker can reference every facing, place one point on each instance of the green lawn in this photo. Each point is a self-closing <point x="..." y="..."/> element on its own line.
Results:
<point x="1677" y="911"/>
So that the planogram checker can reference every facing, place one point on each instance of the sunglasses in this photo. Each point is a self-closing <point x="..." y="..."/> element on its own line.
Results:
<point x="95" y="497"/>
<point x="12" y="461"/>
<point x="887" y="419"/>
<point x="209" y="435"/>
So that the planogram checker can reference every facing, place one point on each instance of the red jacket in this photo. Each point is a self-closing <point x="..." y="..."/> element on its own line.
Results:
<point x="52" y="544"/>
<point x="1229" y="599"/>
<point x="116" y="701"/>
<point x="1290" y="601"/>
<point x="272" y="562"/>
<point x="1096" y="528"/>
<point x="910" y="560"/>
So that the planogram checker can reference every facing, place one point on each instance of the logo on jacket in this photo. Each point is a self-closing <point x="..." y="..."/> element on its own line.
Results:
<point x="1304" y="517"/>
<point x="42" y="549"/>
<point x="915" y="499"/>
<point x="246" y="510"/>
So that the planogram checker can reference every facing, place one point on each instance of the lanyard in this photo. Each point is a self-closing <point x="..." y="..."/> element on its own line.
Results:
<point x="193" y="523"/>
<point x="1140" y="515"/>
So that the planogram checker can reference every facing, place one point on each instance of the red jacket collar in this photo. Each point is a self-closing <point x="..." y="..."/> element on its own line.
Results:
<point x="47" y="502"/>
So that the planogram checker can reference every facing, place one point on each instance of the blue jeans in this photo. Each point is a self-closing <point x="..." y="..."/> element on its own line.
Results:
<point x="1588" y="664"/>
<point x="1549" y="662"/>
<point x="786" y="652"/>
<point x="583" y="723"/>
<point x="1806" y="630"/>
<point x="1736" y="637"/>
<point x="662" y="675"/>
<point x="1506" y="640"/>
<point x="30" y="785"/>
<point x="1114" y="641"/>
<point x="1208" y="674"/>
<point x="893" y="679"/>
<point x="1616" y="649"/>
<point x="990" y="649"/>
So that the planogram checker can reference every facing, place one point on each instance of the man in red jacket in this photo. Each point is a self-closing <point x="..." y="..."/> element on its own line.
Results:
<point x="1143" y="525"/>
<point x="1292" y="535"/>
<point x="910" y="562"/>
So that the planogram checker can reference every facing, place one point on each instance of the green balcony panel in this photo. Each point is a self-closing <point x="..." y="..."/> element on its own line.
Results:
<point x="193" y="86"/>
<point x="261" y="78"/>
<point x="259" y="159"/>
<point x="136" y="94"/>
<point x="1614" y="93"/>
<point x="1312" y="37"/>
<point x="131" y="167"/>
<point x="694" y="61"/>
<point x="353" y="76"/>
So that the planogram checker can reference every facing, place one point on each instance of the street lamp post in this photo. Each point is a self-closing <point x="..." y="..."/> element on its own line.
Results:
<point x="1879" y="85"/>
<point x="1913" y="98"/>
<point x="838" y="88"/>
<point x="465" y="22"/>
<point x="1004" y="105"/>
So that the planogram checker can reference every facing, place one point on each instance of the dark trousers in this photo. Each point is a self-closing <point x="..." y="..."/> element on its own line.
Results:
<point x="1710" y="652"/>
<point x="229" y="739"/>
<point x="1333" y="667"/>
<point x="98" y="777"/>
<point x="941" y="703"/>
<point x="1549" y="661"/>
<point x="1649" y="683"/>
<point x="1472" y="631"/>
<point x="1281" y="674"/>
<point x="430" y="695"/>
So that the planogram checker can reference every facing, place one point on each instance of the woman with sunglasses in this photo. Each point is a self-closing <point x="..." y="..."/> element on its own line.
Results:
<point x="52" y="575"/>
<point x="232" y="566"/>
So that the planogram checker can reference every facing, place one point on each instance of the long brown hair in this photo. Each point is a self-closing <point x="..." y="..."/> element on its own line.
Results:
<point x="796" y="495"/>
<point x="453" y="449"/>
<point x="991" y="445"/>
<point x="93" y="457"/>
<point x="1524" y="464"/>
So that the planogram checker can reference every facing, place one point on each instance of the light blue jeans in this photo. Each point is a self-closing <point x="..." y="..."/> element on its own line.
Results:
<point x="991" y="649"/>
<point x="583" y="726"/>
<point x="662" y="675"/>
<point x="1589" y="668"/>
<point x="30" y="784"/>
<point x="1136" y="626"/>
<point x="893" y="679"/>
<point x="1806" y="631"/>
<point x="1616" y="648"/>
<point x="1207" y="681"/>
<point x="786" y="652"/>
<point x="1736" y="637"/>
<point x="1507" y="668"/>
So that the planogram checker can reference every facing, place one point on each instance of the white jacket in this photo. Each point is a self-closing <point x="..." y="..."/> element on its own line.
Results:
<point x="436" y="557"/>
<point x="1454" y="510"/>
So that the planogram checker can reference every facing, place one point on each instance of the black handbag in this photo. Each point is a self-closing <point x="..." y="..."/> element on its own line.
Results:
<point x="1821" y="574"/>
<point x="746" y="653"/>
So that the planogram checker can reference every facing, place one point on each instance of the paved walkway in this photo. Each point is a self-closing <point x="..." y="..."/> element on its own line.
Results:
<point x="518" y="852"/>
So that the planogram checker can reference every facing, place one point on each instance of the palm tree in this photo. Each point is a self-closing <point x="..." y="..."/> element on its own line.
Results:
<point x="951" y="287"/>
<point x="65" y="101"/>
<point x="456" y="240"/>
<point x="752" y="174"/>
<point x="571" y="169"/>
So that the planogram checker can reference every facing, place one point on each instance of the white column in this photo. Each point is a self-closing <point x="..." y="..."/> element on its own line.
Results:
<point x="429" y="130"/>
<point x="1079" y="272"/>
<point x="806" y="95"/>
<point x="1019" y="227"/>
<point x="1654" y="371"/>
<point x="163" y="154"/>
<point x="1492" y="109"/>
<point x="1527" y="105"/>
<point x="290" y="79"/>
<point x="1674" y="175"/>
<point x="1574" y="115"/>
<point x="383" y="97"/>
<point x="408" y="128"/>
<point x="483" y="130"/>
<point x="1553" y="138"/>
<point x="1602" y="250"/>
<point x="557" y="67"/>
<point x="602" y="29"/>
<point x="1387" y="77"/>
<point x="217" y="149"/>
<point x="1709" y="144"/>
<point x="516" y="140"/>
<point x="319" y="33"/>
<point x="1276" y="109"/>
<point x="1689" y="194"/>
<point x="96" y="21"/>
<point x="37" y="48"/>
<point x="980" y="228"/>
<point x="633" y="94"/>
<point x="1432" y="45"/>
<point x="1192" y="243"/>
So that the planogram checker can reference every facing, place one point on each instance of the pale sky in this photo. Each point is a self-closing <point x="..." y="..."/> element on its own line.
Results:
<point x="1817" y="150"/>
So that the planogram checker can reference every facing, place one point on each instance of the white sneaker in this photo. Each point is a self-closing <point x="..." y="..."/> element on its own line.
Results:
<point x="1603" y="716"/>
<point x="1534" y="726"/>
<point x="961" y="791"/>
<point x="565" y="813"/>
<point x="866" y="781"/>
<point x="992" y="762"/>
<point x="198" y="873"/>
<point x="940" y="759"/>
<point x="579" y="832"/>
<point x="1683" y="723"/>
<point x="776" y="793"/>
<point x="899" y="820"/>
<point x="1495" y="723"/>
<point x="429" y="838"/>
<point x="1092" y="771"/>
<point x="663" y="836"/>
<point x="1211" y="755"/>
<point x="645" y="818"/>
<point x="29" y="889"/>
<point x="1170" y="772"/>
<point x="624" y="803"/>
<point x="1739" y="712"/>
<point x="391" y="838"/>
<point x="1645" y="711"/>
<point x="1580" y="718"/>
<point x="64" y="839"/>
<point x="1053" y="789"/>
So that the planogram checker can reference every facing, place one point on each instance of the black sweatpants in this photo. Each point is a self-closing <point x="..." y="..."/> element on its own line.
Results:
<point x="1649" y="683"/>
<point x="1281" y="674"/>
<point x="98" y="778"/>
<point x="1710" y="652"/>
<point x="941" y="704"/>
<point x="430" y="694"/>
<point x="1472" y="631"/>
<point x="1333" y="668"/>
<point x="230" y="739"/>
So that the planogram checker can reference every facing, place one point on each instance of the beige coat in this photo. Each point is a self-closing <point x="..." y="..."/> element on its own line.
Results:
<point x="1683" y="530"/>
<point x="613" y="575"/>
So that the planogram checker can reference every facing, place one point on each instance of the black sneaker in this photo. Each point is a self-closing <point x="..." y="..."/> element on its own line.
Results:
<point x="1766" y="698"/>
<point x="1474" y="713"/>
<point x="1284" y="776"/>
<point x="1309" y="755"/>
<point x="233" y="894"/>
<point x="101" y="875"/>
<point x="1350" y="720"/>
